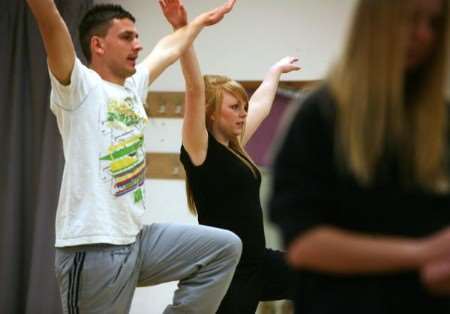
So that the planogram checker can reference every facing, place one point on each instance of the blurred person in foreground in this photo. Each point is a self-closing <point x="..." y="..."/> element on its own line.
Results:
<point x="361" y="181"/>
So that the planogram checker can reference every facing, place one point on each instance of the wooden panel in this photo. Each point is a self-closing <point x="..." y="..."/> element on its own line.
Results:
<point x="164" y="166"/>
<point x="171" y="104"/>
<point x="165" y="104"/>
<point x="294" y="85"/>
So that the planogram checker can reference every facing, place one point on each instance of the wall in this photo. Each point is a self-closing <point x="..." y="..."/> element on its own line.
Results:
<point x="253" y="36"/>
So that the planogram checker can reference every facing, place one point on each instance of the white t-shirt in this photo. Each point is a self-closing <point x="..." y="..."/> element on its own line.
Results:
<point x="101" y="125"/>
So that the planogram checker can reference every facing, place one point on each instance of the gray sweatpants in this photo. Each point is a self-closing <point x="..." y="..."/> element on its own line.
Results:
<point x="101" y="279"/>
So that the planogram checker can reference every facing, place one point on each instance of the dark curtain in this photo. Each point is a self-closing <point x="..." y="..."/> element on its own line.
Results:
<point x="32" y="161"/>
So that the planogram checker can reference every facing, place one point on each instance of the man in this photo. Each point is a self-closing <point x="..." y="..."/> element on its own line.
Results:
<point x="103" y="251"/>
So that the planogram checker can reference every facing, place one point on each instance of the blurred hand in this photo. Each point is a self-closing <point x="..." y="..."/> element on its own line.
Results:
<point x="174" y="12"/>
<point x="216" y="15"/>
<point x="286" y="65"/>
<point x="436" y="276"/>
<point x="435" y="262"/>
<point x="293" y="254"/>
<point x="435" y="248"/>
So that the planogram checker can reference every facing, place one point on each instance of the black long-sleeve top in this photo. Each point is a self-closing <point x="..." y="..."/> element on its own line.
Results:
<point x="310" y="190"/>
<point x="226" y="194"/>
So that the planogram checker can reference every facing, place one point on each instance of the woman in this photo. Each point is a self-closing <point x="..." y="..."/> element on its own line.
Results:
<point x="361" y="182"/>
<point x="223" y="183"/>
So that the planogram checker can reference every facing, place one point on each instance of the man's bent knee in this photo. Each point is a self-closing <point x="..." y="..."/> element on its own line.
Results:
<point x="232" y="244"/>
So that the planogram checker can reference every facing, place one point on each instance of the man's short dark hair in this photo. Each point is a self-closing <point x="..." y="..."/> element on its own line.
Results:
<point x="97" y="22"/>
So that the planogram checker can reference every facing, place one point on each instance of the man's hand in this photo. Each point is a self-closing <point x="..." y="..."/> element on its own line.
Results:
<point x="174" y="12"/>
<point x="216" y="15"/>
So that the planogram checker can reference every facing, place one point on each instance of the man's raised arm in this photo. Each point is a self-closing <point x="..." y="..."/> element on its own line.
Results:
<point x="172" y="46"/>
<point x="57" y="41"/>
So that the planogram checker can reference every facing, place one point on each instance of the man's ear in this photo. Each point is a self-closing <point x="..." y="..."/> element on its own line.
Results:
<point x="97" y="45"/>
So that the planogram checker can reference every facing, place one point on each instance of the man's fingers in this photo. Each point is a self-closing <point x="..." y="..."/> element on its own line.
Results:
<point x="230" y="4"/>
<point x="227" y="6"/>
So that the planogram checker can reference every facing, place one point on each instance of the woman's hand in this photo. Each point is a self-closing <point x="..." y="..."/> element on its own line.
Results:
<point x="174" y="12"/>
<point x="286" y="65"/>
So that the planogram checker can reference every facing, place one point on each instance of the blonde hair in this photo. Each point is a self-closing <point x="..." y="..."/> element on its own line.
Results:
<point x="374" y="112"/>
<point x="215" y="86"/>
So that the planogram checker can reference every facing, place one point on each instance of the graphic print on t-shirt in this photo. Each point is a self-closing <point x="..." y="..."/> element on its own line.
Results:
<point x="124" y="162"/>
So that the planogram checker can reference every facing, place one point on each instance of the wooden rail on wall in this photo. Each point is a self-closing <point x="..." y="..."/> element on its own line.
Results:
<point x="171" y="104"/>
<point x="165" y="104"/>
<point x="164" y="166"/>
<point x="293" y="85"/>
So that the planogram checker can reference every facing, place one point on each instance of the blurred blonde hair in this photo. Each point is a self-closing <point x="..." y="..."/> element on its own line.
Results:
<point x="215" y="86"/>
<point x="374" y="111"/>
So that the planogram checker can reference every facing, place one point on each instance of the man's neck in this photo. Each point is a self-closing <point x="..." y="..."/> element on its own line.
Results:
<point x="106" y="74"/>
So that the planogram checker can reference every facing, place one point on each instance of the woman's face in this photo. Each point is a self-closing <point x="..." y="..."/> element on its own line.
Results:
<point x="229" y="120"/>
<point x="425" y="20"/>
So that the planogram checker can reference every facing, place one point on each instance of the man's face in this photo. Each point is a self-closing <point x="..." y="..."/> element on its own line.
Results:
<point x="121" y="48"/>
